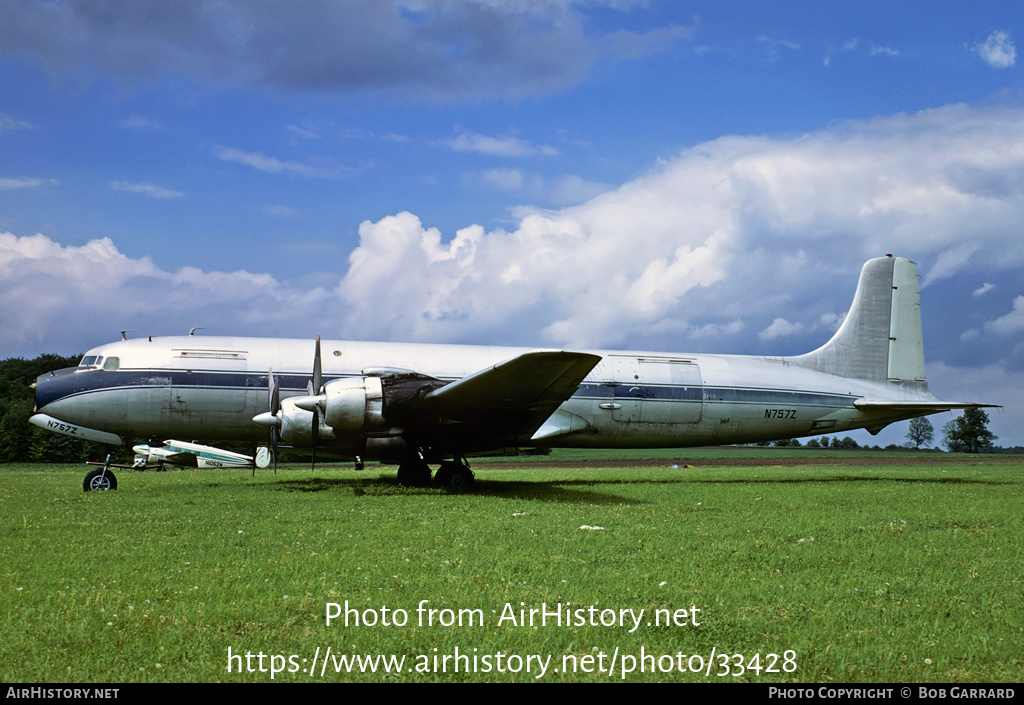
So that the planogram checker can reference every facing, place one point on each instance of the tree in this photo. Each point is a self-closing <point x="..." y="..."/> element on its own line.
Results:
<point x="15" y="431"/>
<point x="949" y="437"/>
<point x="921" y="432"/>
<point x="20" y="442"/>
<point x="969" y="432"/>
<point x="844" y="442"/>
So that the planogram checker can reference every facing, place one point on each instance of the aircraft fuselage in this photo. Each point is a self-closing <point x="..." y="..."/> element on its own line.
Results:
<point x="209" y="389"/>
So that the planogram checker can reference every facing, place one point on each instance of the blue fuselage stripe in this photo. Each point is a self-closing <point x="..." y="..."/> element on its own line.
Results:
<point x="51" y="388"/>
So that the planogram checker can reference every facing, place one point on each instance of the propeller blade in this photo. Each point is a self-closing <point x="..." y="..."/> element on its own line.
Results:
<point x="316" y="433"/>
<point x="317" y="373"/>
<point x="273" y="445"/>
<point x="314" y="389"/>
<point x="274" y="394"/>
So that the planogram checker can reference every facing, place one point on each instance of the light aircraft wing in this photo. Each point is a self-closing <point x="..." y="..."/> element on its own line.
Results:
<point x="183" y="459"/>
<point x="524" y="390"/>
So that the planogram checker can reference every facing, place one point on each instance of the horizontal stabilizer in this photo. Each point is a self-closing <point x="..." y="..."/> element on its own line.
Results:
<point x="533" y="382"/>
<point x="922" y="407"/>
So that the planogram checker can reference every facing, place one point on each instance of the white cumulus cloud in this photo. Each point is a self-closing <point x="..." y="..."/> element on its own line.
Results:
<point x="740" y="244"/>
<point x="779" y="328"/>
<point x="998" y="50"/>
<point x="730" y="234"/>
<point x="67" y="298"/>
<point x="1010" y="324"/>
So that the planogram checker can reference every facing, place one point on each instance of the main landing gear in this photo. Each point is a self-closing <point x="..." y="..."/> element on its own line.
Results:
<point x="453" y="475"/>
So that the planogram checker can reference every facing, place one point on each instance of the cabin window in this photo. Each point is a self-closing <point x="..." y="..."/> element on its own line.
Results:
<point x="112" y="364"/>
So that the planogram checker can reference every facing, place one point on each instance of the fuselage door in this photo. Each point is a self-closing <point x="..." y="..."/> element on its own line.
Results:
<point x="211" y="381"/>
<point x="673" y="390"/>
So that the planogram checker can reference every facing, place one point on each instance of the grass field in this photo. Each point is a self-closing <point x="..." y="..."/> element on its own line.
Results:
<point x="896" y="568"/>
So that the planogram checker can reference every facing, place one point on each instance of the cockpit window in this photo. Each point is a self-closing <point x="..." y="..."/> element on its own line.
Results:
<point x="91" y="362"/>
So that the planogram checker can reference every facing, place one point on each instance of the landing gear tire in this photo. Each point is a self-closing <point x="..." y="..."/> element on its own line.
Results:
<point x="414" y="473"/>
<point x="99" y="480"/>
<point x="454" y="477"/>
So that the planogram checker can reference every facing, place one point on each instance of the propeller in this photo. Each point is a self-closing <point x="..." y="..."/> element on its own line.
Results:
<point x="313" y="388"/>
<point x="271" y="418"/>
<point x="274" y="392"/>
<point x="312" y="402"/>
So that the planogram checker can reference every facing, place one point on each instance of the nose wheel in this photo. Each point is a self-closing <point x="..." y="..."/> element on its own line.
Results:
<point x="100" y="479"/>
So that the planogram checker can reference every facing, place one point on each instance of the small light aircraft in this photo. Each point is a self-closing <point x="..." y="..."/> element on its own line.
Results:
<point x="177" y="453"/>
<point x="194" y="455"/>
<point x="418" y="404"/>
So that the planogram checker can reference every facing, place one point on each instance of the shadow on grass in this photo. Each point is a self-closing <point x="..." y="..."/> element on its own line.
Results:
<point x="387" y="486"/>
<point x="577" y="490"/>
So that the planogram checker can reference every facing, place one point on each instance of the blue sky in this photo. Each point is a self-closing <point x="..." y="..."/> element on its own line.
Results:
<point x="703" y="176"/>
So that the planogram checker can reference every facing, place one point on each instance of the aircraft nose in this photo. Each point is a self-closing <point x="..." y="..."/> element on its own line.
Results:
<point x="63" y="405"/>
<point x="40" y="389"/>
<point x="54" y="386"/>
<point x="46" y="387"/>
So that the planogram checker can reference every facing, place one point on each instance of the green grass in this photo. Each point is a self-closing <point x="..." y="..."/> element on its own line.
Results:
<point x="886" y="572"/>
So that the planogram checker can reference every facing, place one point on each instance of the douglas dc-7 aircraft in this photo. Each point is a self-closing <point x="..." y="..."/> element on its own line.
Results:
<point x="426" y="403"/>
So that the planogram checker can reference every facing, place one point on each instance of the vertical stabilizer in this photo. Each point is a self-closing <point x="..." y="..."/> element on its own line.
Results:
<point x="881" y="336"/>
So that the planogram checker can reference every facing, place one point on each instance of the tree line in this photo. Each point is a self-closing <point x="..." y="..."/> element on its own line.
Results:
<point x="21" y="442"/>
<point x="968" y="433"/>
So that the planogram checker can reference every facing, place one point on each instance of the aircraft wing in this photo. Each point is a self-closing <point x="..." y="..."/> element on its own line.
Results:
<point x="183" y="459"/>
<point x="519" y="393"/>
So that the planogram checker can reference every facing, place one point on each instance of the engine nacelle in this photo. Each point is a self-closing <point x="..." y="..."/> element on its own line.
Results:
<point x="355" y="404"/>
<point x="297" y="425"/>
<point x="352" y="408"/>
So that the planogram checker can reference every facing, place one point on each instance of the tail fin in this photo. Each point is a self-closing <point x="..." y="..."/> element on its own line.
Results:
<point x="880" y="340"/>
<point x="881" y="336"/>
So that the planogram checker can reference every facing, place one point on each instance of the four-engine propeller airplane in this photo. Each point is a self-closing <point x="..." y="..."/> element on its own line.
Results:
<point x="429" y="403"/>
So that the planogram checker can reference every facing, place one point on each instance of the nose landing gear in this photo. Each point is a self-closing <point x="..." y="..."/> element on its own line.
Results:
<point x="100" y="479"/>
